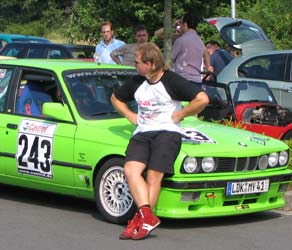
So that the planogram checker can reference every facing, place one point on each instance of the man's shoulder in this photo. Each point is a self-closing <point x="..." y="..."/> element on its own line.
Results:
<point x="223" y="52"/>
<point x="118" y="42"/>
<point x="171" y="76"/>
<point x="100" y="44"/>
<point x="128" y="46"/>
<point x="192" y="36"/>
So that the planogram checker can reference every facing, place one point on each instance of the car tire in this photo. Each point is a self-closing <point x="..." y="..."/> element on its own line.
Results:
<point x="287" y="136"/>
<point x="112" y="195"/>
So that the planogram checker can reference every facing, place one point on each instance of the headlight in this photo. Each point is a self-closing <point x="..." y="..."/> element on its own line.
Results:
<point x="190" y="165"/>
<point x="273" y="159"/>
<point x="283" y="158"/>
<point x="208" y="164"/>
<point x="263" y="162"/>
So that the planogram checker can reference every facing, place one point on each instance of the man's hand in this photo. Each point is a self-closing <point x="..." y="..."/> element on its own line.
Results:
<point x="176" y="117"/>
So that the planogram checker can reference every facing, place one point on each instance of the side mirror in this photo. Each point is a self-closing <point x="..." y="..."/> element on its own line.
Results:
<point x="57" y="110"/>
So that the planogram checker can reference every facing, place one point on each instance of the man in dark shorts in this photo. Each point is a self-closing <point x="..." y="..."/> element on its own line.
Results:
<point x="157" y="139"/>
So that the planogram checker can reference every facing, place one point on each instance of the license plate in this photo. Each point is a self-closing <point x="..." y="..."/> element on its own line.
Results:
<point x="247" y="187"/>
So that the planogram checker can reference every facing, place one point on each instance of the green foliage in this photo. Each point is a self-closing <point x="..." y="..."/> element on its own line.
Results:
<point x="34" y="28"/>
<point x="275" y="18"/>
<point x="81" y="19"/>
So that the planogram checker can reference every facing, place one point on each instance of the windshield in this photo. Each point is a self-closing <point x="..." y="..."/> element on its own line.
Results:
<point x="91" y="90"/>
<point x="220" y="106"/>
<point x="82" y="52"/>
<point x="236" y="35"/>
<point x="247" y="91"/>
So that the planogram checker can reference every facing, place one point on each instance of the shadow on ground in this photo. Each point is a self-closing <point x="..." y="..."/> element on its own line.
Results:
<point x="70" y="203"/>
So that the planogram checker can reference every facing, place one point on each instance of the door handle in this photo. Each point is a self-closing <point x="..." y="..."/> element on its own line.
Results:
<point x="12" y="126"/>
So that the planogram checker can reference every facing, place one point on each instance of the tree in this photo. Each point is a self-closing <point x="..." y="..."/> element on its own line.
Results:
<point x="275" y="18"/>
<point x="168" y="31"/>
<point x="79" y="20"/>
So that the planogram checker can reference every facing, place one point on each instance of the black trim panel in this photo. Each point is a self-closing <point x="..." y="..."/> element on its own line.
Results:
<point x="7" y="155"/>
<point x="219" y="184"/>
<point x="72" y="165"/>
<point x="60" y="163"/>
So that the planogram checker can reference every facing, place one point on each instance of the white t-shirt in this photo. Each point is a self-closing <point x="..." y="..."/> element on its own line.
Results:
<point x="157" y="101"/>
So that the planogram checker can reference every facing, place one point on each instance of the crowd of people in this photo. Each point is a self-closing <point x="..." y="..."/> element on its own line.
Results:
<point x="158" y="92"/>
<point x="190" y="56"/>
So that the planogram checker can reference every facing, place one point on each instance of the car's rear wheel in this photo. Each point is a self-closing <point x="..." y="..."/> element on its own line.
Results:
<point x="112" y="194"/>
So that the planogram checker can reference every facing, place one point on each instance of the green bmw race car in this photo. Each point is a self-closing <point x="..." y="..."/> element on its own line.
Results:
<point x="60" y="133"/>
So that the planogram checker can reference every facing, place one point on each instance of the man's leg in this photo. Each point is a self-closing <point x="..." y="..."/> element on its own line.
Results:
<point x="154" y="179"/>
<point x="138" y="186"/>
<point x="148" y="221"/>
<point x="139" y="189"/>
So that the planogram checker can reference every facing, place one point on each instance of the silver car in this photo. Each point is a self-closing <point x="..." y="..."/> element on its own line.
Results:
<point x="258" y="60"/>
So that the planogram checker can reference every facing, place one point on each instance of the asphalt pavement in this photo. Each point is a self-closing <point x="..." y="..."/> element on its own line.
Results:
<point x="32" y="220"/>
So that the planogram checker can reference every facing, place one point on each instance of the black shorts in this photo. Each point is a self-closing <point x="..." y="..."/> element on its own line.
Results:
<point x="157" y="149"/>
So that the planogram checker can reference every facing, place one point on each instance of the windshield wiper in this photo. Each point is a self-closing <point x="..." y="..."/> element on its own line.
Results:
<point x="103" y="113"/>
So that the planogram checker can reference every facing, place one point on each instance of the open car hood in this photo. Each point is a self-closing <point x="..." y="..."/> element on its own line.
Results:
<point x="244" y="102"/>
<point x="241" y="34"/>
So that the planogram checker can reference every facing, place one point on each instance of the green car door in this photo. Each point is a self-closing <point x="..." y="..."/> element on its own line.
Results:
<point x="38" y="151"/>
<point x="5" y="78"/>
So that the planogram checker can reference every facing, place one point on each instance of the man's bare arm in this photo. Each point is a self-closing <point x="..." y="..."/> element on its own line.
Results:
<point x="194" y="107"/>
<point x="124" y="110"/>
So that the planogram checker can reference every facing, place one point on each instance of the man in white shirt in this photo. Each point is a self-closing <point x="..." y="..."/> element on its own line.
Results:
<point x="107" y="44"/>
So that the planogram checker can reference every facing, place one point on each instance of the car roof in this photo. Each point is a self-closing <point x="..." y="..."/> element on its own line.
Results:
<point x="79" y="46"/>
<point x="32" y="45"/>
<point x="261" y="53"/>
<point x="20" y="36"/>
<point x="60" y="65"/>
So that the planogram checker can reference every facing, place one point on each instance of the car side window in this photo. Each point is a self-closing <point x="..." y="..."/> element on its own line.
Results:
<point x="36" y="53"/>
<point x="270" y="67"/>
<point x="16" y="52"/>
<point x="2" y="44"/>
<point x="33" y="91"/>
<point x="57" y="54"/>
<point x="5" y="76"/>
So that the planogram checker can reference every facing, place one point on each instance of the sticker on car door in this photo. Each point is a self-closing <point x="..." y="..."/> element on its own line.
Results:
<point x="35" y="148"/>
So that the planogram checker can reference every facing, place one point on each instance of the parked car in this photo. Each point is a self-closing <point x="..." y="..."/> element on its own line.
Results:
<point x="259" y="60"/>
<point x="60" y="133"/>
<point x="16" y="38"/>
<point x="250" y="105"/>
<point x="79" y="51"/>
<point x="36" y="50"/>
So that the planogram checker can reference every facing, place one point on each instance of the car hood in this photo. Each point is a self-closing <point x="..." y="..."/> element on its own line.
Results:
<point x="241" y="34"/>
<point x="239" y="142"/>
<point x="202" y="138"/>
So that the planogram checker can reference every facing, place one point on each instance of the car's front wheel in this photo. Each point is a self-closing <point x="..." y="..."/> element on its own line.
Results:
<point x="112" y="194"/>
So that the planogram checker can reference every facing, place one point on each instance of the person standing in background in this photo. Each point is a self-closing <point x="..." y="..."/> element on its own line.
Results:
<point x="189" y="51"/>
<point x="219" y="57"/>
<point x="128" y="51"/>
<point x="107" y="44"/>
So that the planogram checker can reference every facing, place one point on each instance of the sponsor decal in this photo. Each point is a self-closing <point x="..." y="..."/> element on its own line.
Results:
<point x="195" y="136"/>
<point x="35" y="148"/>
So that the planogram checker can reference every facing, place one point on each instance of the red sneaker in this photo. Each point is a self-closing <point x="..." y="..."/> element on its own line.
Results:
<point x="148" y="222"/>
<point x="131" y="228"/>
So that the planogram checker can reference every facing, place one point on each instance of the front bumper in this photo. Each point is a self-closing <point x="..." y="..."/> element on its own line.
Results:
<point x="198" y="199"/>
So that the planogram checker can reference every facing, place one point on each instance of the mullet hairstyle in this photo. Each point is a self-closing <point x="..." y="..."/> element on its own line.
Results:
<point x="150" y="52"/>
